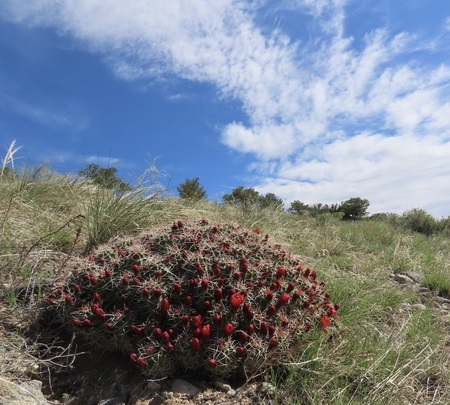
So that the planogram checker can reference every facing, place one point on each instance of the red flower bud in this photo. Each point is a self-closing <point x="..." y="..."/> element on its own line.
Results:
<point x="193" y="282"/>
<point x="136" y="281"/>
<point x="146" y="292"/>
<point x="217" y="319"/>
<point x="218" y="294"/>
<point x="87" y="322"/>
<point x="220" y="282"/>
<point x="237" y="276"/>
<point x="165" y="306"/>
<point x="135" y="269"/>
<point x="188" y="301"/>
<point x="273" y="343"/>
<point x="157" y="332"/>
<point x="271" y="330"/>
<point x="291" y="287"/>
<point x="280" y="272"/>
<point x="243" y="266"/>
<point x="204" y="284"/>
<point x="283" y="300"/>
<point x="260" y="283"/>
<point x="141" y="362"/>
<point x="185" y="319"/>
<point x="251" y="329"/>
<point x="196" y="321"/>
<point x="205" y="332"/>
<point x="243" y="337"/>
<point x="68" y="299"/>
<point x="133" y="357"/>
<point x="165" y="337"/>
<point x="228" y="329"/>
<point x="157" y="292"/>
<point x="109" y="325"/>
<point x="177" y="288"/>
<point x="76" y="288"/>
<point x="170" y="347"/>
<point x="240" y="351"/>
<point x="76" y="322"/>
<point x="195" y="345"/>
<point x="325" y="321"/>
<point x="264" y="328"/>
<point x="212" y="363"/>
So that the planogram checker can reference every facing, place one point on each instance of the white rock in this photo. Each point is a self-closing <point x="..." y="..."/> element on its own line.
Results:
<point x="222" y="386"/>
<point x="180" y="386"/>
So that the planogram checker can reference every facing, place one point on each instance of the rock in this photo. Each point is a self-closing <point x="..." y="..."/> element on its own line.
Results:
<point x="231" y="393"/>
<point x="416" y="277"/>
<point x="419" y="307"/>
<point x="442" y="300"/>
<point x="222" y="386"/>
<point x="25" y="393"/>
<point x="180" y="386"/>
<point x="402" y="278"/>
<point x="153" y="386"/>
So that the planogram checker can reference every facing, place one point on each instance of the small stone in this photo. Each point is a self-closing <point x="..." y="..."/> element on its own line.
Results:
<point x="402" y="279"/>
<point x="231" y="393"/>
<point x="442" y="300"/>
<point x="153" y="386"/>
<point x="419" y="307"/>
<point x="180" y="386"/>
<point x="222" y="386"/>
<point x="416" y="277"/>
<point x="268" y="388"/>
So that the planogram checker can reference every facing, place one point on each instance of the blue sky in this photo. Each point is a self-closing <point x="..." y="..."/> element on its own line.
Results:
<point x="313" y="100"/>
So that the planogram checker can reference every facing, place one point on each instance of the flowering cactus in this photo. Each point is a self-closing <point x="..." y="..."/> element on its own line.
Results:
<point x="195" y="296"/>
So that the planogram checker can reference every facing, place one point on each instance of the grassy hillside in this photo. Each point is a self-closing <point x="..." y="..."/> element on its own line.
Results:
<point x="392" y="347"/>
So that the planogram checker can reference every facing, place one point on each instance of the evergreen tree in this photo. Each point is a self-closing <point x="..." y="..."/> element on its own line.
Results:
<point x="191" y="190"/>
<point x="104" y="177"/>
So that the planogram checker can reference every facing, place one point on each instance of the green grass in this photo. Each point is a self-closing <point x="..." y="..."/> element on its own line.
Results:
<point x="385" y="352"/>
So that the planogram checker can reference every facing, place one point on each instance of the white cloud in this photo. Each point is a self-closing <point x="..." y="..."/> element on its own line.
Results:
<point x="329" y="119"/>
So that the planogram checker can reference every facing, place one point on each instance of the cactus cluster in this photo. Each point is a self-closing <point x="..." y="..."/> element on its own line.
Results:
<point x="194" y="296"/>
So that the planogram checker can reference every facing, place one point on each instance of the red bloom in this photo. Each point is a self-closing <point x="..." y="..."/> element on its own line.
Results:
<point x="291" y="287"/>
<point x="243" y="266"/>
<point x="96" y="297"/>
<point x="195" y="345"/>
<point x="205" y="332"/>
<point x="236" y="300"/>
<point x="271" y="311"/>
<point x="325" y="321"/>
<point x="218" y="294"/>
<point x="228" y="329"/>
<point x="193" y="282"/>
<point x="283" y="299"/>
<point x="157" y="292"/>
<point x="212" y="363"/>
<point x="77" y="288"/>
<point x="204" y="284"/>
<point x="217" y="319"/>
<point x="68" y="299"/>
<point x="280" y="272"/>
<point x="170" y="347"/>
<point x="135" y="268"/>
<point x="240" y="352"/>
<point x="271" y="330"/>
<point x="133" y="357"/>
<point x="250" y="329"/>
<point x="146" y="292"/>
<point x="87" y="322"/>
<point x="188" y="300"/>
<point x="141" y="362"/>
<point x="243" y="337"/>
<point x="264" y="328"/>
<point x="196" y="321"/>
<point x="273" y="343"/>
<point x="136" y="281"/>
<point x="185" y="319"/>
<point x="237" y="276"/>
<point x="165" y="337"/>
<point x="76" y="322"/>
<point x="177" y="288"/>
<point x="109" y="325"/>
<point x="165" y="306"/>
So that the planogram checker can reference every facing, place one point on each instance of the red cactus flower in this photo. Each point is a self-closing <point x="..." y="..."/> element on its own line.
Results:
<point x="125" y="279"/>
<point x="185" y="319"/>
<point x="217" y="271"/>
<point x="218" y="294"/>
<point x="109" y="325"/>
<point x="236" y="300"/>
<point x="291" y="287"/>
<point x="149" y="349"/>
<point x="146" y="292"/>
<point x="205" y="332"/>
<point x="264" y="329"/>
<point x="68" y="299"/>
<point x="141" y="362"/>
<point x="195" y="345"/>
<point x="76" y="322"/>
<point x="336" y="306"/>
<point x="157" y="292"/>
<point x="243" y="266"/>
<point x="136" y="281"/>
<point x="157" y="332"/>
<point x="207" y="305"/>
<point x="97" y="311"/>
<point x="285" y="323"/>
<point x="220" y="282"/>
<point x="269" y="295"/>
<point x="96" y="297"/>
<point x="193" y="282"/>
<point x="165" y="337"/>
<point x="177" y="288"/>
<point x="271" y="330"/>
<point x="307" y="272"/>
<point x="135" y="269"/>
<point x="251" y="329"/>
<point x="273" y="343"/>
<point x="243" y="337"/>
<point x="275" y="285"/>
<point x="93" y="279"/>
<point x="240" y="351"/>
<point x="325" y="321"/>
<point x="87" y="322"/>
<point x="313" y="275"/>
<point x="76" y="288"/>
<point x="165" y="306"/>
<point x="260" y="283"/>
<point x="212" y="363"/>
<point x="217" y="319"/>
<point x="308" y="325"/>
<point x="108" y="273"/>
<point x="188" y="301"/>
<point x="133" y="357"/>
<point x="283" y="300"/>
<point x="204" y="284"/>
<point x="170" y="347"/>
<point x="196" y="321"/>
<point x="237" y="276"/>
<point x="280" y="272"/>
<point x="228" y="329"/>
<point x="158" y="273"/>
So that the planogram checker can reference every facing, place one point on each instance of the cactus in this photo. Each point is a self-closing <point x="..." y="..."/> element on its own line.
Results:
<point x="194" y="296"/>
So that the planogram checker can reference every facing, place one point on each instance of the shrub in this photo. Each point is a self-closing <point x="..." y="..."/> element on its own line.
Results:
<point x="195" y="296"/>
<point x="418" y="220"/>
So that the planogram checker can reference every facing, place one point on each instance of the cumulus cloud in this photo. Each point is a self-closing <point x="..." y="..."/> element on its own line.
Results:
<point x="327" y="120"/>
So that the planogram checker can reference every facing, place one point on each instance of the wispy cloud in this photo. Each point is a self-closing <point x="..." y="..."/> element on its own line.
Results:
<point x="327" y="120"/>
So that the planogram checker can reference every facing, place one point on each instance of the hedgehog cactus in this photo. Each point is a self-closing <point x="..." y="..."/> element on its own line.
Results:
<point x="195" y="296"/>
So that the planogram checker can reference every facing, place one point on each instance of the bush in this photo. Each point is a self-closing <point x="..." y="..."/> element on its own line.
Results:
<point x="418" y="220"/>
<point x="214" y="298"/>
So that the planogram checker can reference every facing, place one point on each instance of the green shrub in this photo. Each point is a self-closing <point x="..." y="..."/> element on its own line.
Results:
<point x="195" y="296"/>
<point x="418" y="220"/>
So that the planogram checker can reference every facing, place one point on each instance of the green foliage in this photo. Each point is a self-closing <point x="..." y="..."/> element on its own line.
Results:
<point x="191" y="190"/>
<point x="299" y="208"/>
<point x="104" y="177"/>
<point x="354" y="208"/>
<point x="195" y="296"/>
<point x="249" y="197"/>
<point x="418" y="220"/>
